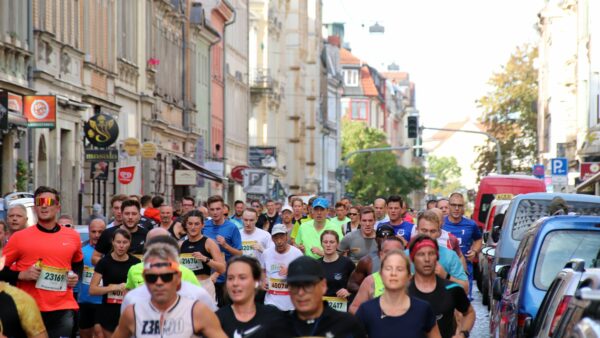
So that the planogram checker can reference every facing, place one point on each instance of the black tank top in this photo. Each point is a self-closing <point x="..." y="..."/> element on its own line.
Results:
<point x="187" y="247"/>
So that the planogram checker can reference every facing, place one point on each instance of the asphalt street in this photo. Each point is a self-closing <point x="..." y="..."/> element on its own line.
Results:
<point x="481" y="328"/>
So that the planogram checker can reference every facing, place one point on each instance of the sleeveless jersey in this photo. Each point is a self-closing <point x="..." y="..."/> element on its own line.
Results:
<point x="177" y="321"/>
<point x="378" y="286"/>
<point x="192" y="263"/>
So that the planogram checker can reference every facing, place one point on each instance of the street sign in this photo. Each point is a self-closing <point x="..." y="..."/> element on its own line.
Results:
<point x="256" y="181"/>
<point x="559" y="166"/>
<point x="588" y="169"/>
<point x="538" y="170"/>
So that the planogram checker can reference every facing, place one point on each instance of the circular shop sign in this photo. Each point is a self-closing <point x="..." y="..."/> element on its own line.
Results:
<point x="101" y="130"/>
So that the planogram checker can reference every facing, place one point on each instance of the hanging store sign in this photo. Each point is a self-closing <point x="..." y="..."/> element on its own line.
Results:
<point x="109" y="155"/>
<point x="184" y="177"/>
<point x="149" y="150"/>
<point x="588" y="169"/>
<point x="40" y="111"/>
<point x="126" y="174"/>
<point x="131" y="146"/>
<point x="101" y="130"/>
<point x="237" y="173"/>
<point x="99" y="170"/>
<point x="262" y="157"/>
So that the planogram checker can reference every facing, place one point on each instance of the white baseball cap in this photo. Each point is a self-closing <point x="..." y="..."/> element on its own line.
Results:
<point x="278" y="229"/>
<point x="286" y="208"/>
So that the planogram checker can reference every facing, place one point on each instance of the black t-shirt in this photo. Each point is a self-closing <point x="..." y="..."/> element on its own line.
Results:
<point x="138" y="238"/>
<point x="148" y="223"/>
<point x="446" y="297"/>
<point x="262" y="221"/>
<point x="114" y="272"/>
<point x="337" y="274"/>
<point x="268" y="322"/>
<point x="332" y="323"/>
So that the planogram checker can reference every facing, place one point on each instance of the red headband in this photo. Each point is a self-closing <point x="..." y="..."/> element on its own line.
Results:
<point x="421" y="245"/>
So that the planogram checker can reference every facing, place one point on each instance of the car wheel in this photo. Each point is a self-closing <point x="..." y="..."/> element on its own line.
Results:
<point x="477" y="275"/>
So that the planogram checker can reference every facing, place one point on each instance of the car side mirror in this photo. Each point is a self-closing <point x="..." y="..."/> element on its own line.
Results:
<point x="497" y="289"/>
<point x="496" y="233"/>
<point x="486" y="235"/>
<point x="502" y="271"/>
<point x="527" y="327"/>
<point x="489" y="252"/>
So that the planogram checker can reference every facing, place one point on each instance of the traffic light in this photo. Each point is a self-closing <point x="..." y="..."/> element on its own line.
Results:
<point x="413" y="126"/>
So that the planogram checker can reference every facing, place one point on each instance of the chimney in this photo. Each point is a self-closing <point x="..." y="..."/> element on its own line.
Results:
<point x="334" y="40"/>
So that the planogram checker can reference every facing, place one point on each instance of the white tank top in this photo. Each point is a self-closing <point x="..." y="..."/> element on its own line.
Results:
<point x="177" y="321"/>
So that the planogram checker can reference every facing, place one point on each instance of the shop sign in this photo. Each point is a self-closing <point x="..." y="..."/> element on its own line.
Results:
<point x="149" y="150"/>
<point x="99" y="170"/>
<point x="109" y="155"/>
<point x="40" y="111"/>
<point x="259" y="157"/>
<point x="588" y="169"/>
<point x="237" y="173"/>
<point x="125" y="174"/>
<point x="185" y="177"/>
<point x="101" y="130"/>
<point x="131" y="146"/>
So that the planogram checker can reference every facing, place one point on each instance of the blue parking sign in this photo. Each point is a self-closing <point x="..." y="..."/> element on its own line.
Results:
<point x="559" y="166"/>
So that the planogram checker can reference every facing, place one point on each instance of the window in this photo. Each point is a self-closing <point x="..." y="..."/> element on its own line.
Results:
<point x="359" y="110"/>
<point x="559" y="247"/>
<point x="351" y="77"/>
<point x="519" y="265"/>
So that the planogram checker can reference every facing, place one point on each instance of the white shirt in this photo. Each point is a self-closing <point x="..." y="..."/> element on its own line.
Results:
<point x="187" y="290"/>
<point x="277" y="289"/>
<point x="259" y="236"/>
<point x="383" y="220"/>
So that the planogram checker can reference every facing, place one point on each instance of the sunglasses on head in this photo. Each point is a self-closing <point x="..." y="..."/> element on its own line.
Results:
<point x="45" y="201"/>
<point x="152" y="278"/>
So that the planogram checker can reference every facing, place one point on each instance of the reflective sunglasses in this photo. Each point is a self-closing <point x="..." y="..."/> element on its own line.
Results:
<point x="152" y="278"/>
<point x="352" y="214"/>
<point x="45" y="201"/>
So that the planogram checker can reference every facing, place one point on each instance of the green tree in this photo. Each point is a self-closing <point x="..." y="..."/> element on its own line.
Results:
<point x="445" y="174"/>
<point x="510" y="115"/>
<point x="22" y="175"/>
<point x="375" y="174"/>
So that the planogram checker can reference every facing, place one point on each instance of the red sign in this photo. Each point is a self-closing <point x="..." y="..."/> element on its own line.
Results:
<point x="237" y="173"/>
<point x="40" y="111"/>
<point x="588" y="169"/>
<point x="126" y="174"/>
<point x="15" y="103"/>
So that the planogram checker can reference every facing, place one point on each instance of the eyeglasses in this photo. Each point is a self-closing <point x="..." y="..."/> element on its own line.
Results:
<point x="307" y="287"/>
<point x="352" y="214"/>
<point x="187" y="205"/>
<point x="68" y="225"/>
<point x="457" y="206"/>
<point x="385" y="234"/>
<point x="152" y="278"/>
<point x="45" y="201"/>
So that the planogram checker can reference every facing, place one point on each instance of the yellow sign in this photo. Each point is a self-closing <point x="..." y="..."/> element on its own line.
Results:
<point x="131" y="146"/>
<point x="504" y="196"/>
<point x="149" y="150"/>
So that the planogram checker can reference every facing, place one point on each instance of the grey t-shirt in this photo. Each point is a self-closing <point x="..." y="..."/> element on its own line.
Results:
<point x="357" y="246"/>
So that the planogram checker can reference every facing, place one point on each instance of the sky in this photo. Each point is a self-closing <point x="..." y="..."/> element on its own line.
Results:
<point x="449" y="48"/>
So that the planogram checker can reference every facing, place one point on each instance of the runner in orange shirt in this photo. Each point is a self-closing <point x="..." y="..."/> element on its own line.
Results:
<point x="46" y="256"/>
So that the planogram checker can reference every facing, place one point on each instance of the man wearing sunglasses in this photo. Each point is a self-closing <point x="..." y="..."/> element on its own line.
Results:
<point x="167" y="314"/>
<point x="313" y="317"/>
<point x="46" y="256"/>
<point x="465" y="229"/>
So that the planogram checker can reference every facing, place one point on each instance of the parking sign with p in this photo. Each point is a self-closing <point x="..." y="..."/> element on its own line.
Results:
<point x="559" y="166"/>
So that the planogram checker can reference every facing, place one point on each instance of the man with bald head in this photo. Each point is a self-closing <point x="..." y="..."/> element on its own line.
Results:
<point x="380" y="206"/>
<point x="16" y="218"/>
<point x="134" y="275"/>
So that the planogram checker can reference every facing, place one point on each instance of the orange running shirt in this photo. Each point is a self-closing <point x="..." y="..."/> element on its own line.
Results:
<point x="56" y="250"/>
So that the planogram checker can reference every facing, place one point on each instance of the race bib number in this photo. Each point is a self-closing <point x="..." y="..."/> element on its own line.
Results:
<point x="115" y="297"/>
<point x="52" y="279"/>
<point x="278" y="287"/>
<point x="88" y="272"/>
<point x="190" y="262"/>
<point x="337" y="303"/>
<point x="248" y="248"/>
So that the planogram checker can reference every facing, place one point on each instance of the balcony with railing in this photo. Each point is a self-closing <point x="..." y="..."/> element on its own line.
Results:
<point x="261" y="79"/>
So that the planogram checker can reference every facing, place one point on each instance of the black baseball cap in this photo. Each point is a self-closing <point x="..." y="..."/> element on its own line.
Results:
<point x="305" y="270"/>
<point x="384" y="231"/>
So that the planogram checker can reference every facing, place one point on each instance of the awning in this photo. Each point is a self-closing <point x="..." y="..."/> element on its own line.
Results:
<point x="191" y="165"/>
<point x="17" y="119"/>
<point x="590" y="182"/>
<point x="591" y="145"/>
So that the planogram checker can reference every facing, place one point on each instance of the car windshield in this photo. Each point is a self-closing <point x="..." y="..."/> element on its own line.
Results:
<point x="561" y="246"/>
<point x="530" y="210"/>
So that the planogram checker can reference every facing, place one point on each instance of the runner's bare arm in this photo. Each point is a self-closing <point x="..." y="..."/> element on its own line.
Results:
<point x="361" y="271"/>
<point x="126" y="327"/>
<point x="217" y="263"/>
<point x="97" y="290"/>
<point x="434" y="333"/>
<point x="468" y="320"/>
<point x="206" y="322"/>
<point x="96" y="257"/>
<point x="365" y="293"/>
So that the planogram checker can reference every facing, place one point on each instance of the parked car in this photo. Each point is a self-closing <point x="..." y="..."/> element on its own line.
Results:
<point x="523" y="211"/>
<point x="589" y="325"/>
<point x="495" y="217"/>
<point x="502" y="187"/>
<point x="545" y="248"/>
<point x="559" y="302"/>
<point x="83" y="232"/>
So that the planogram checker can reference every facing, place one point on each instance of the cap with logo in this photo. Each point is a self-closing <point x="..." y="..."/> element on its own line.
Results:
<point x="305" y="270"/>
<point x="384" y="230"/>
<point x="278" y="229"/>
<point x="321" y="203"/>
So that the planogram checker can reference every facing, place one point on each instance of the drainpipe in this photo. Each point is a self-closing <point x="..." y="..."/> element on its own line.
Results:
<point x="224" y="145"/>
<point x="210" y="59"/>
<point x="30" y="44"/>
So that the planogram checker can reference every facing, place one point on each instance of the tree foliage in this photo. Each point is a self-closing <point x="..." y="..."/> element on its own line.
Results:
<point x="375" y="174"/>
<point x="445" y="173"/>
<point x="510" y="115"/>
